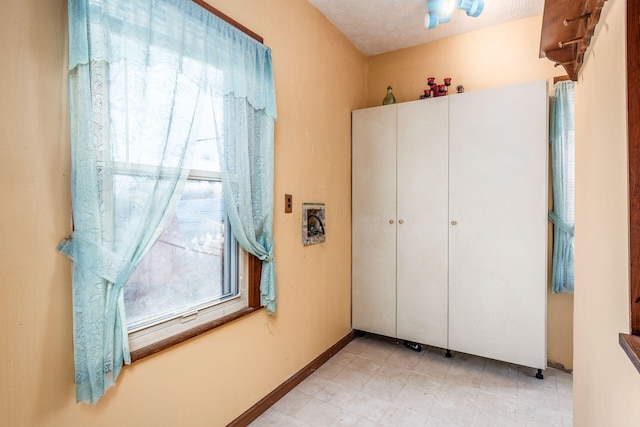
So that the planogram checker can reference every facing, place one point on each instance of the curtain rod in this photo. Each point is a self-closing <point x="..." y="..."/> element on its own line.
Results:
<point x="225" y="18"/>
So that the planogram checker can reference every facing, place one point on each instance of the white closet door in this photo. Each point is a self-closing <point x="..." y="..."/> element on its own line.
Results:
<point x="423" y="134"/>
<point x="374" y="220"/>
<point x="498" y="200"/>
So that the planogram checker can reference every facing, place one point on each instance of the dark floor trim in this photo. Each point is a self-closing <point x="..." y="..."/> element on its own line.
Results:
<point x="266" y="402"/>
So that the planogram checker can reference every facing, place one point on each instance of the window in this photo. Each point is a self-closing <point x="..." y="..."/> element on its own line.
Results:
<point x="141" y="77"/>
<point x="196" y="272"/>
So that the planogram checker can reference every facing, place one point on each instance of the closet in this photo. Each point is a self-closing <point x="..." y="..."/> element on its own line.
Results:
<point x="450" y="222"/>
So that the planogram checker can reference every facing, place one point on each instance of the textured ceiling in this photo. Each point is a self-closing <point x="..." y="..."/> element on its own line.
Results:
<point x="379" y="26"/>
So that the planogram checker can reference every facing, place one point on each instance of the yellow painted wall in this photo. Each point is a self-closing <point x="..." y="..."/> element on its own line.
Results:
<point x="497" y="56"/>
<point x="210" y="380"/>
<point x="606" y="385"/>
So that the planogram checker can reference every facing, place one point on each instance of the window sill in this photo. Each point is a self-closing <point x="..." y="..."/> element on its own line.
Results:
<point x="631" y="345"/>
<point x="191" y="333"/>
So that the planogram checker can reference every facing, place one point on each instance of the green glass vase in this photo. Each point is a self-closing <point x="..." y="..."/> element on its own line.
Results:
<point x="389" y="99"/>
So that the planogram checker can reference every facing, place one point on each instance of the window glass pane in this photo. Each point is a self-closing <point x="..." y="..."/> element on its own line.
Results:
<point x="208" y="131"/>
<point x="185" y="268"/>
<point x="148" y="103"/>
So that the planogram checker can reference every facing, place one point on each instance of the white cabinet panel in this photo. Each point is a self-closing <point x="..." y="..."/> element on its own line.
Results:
<point x="498" y="200"/>
<point x="422" y="267"/>
<point x="374" y="220"/>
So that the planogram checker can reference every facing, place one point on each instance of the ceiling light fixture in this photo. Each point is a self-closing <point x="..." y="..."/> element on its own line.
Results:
<point x="439" y="11"/>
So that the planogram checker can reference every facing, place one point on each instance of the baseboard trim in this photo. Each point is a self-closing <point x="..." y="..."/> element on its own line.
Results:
<point x="269" y="400"/>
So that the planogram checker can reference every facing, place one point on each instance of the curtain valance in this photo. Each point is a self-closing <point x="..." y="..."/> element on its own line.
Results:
<point x="183" y="27"/>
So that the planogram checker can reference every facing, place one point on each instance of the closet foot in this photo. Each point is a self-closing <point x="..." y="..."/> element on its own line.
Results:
<point x="539" y="374"/>
<point x="448" y="353"/>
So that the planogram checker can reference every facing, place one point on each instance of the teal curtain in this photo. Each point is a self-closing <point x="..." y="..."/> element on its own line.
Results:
<point x="246" y="161"/>
<point x="137" y="70"/>
<point x="562" y="140"/>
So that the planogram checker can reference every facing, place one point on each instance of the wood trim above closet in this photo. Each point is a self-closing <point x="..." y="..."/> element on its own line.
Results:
<point x="567" y="28"/>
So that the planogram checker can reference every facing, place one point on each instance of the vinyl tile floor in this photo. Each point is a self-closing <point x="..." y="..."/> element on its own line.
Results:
<point x="379" y="382"/>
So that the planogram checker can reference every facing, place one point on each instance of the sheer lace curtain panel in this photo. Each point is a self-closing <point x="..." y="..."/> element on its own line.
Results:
<point x="562" y="140"/>
<point x="137" y="70"/>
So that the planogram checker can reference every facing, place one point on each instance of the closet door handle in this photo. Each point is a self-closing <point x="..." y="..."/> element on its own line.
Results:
<point x="454" y="222"/>
<point x="401" y="221"/>
<point x="390" y="221"/>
